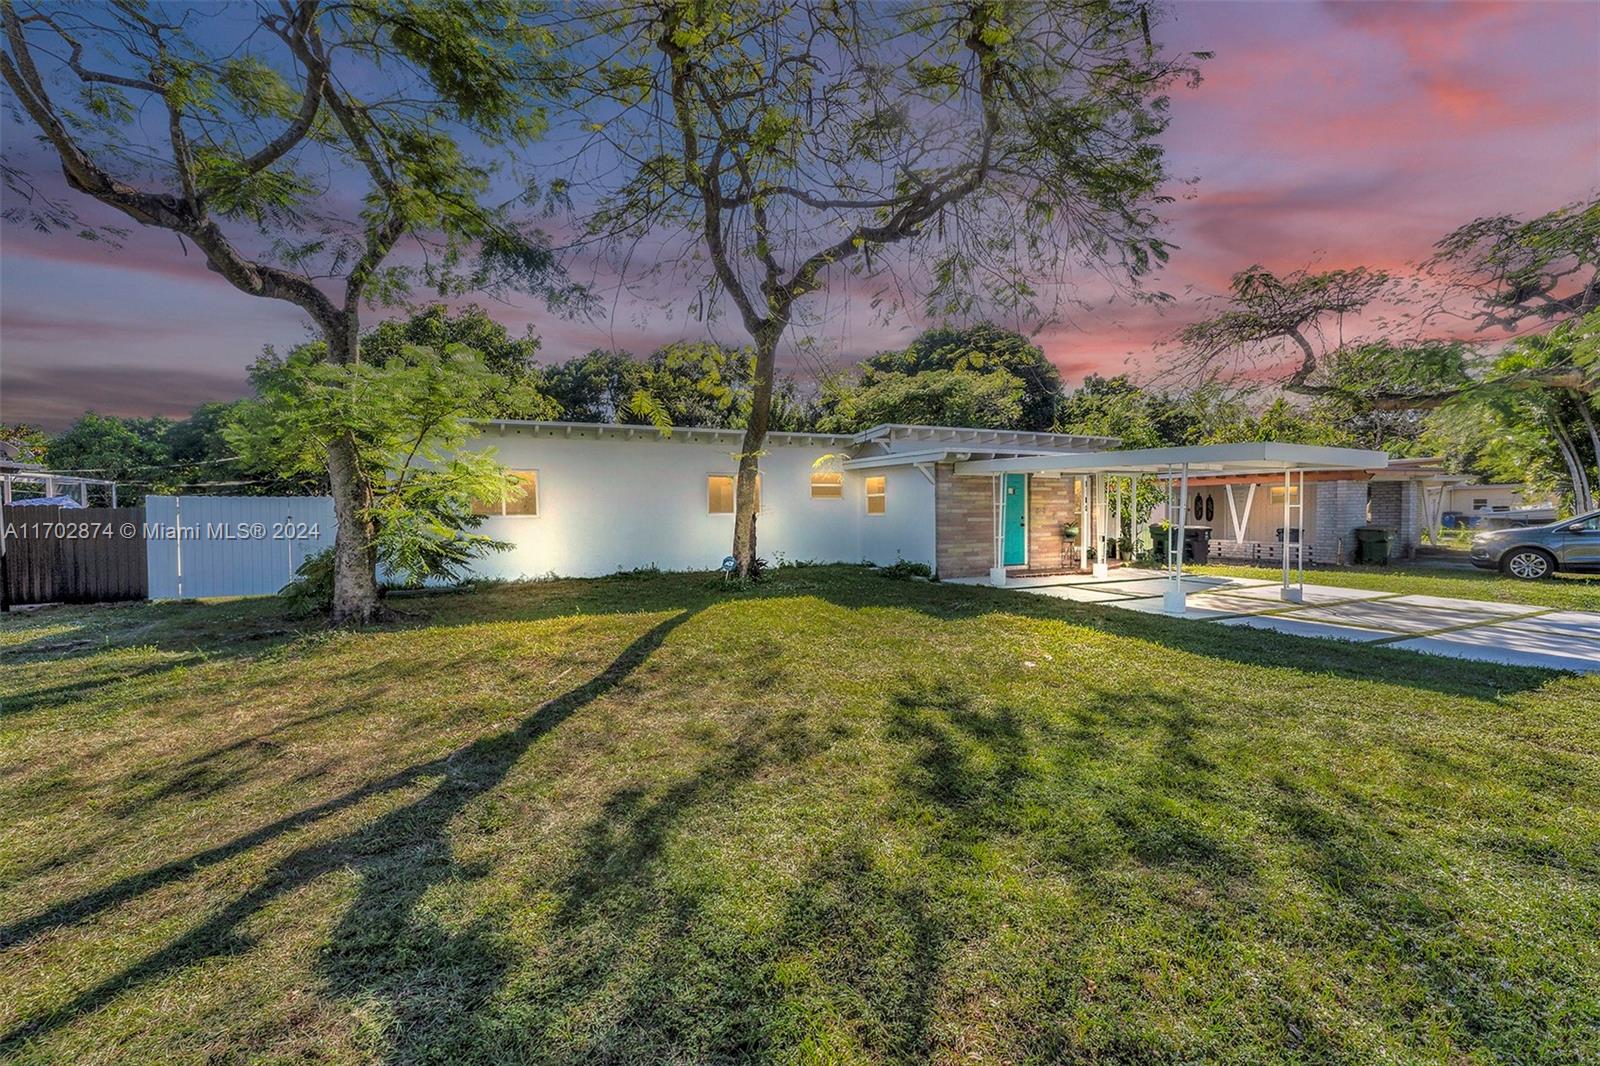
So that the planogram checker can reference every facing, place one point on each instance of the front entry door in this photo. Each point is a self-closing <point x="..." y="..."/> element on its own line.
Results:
<point x="1016" y="518"/>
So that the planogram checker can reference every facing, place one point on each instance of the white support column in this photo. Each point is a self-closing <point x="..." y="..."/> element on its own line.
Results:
<point x="1300" y="536"/>
<point x="1291" y="536"/>
<point x="997" y="572"/>
<point x="1101" y="567"/>
<point x="1133" y="518"/>
<point x="1174" y="601"/>
<point x="1085" y="525"/>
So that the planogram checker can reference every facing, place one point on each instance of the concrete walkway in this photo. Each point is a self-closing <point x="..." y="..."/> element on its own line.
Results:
<point x="1464" y="629"/>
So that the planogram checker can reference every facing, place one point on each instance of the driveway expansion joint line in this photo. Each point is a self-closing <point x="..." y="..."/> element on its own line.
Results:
<point x="1480" y="624"/>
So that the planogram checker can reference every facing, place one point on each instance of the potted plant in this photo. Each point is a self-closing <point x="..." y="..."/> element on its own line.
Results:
<point x="1069" y="534"/>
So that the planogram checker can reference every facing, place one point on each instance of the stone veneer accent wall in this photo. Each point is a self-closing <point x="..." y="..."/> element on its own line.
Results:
<point x="1050" y="503"/>
<point x="964" y="518"/>
<point x="963" y="509"/>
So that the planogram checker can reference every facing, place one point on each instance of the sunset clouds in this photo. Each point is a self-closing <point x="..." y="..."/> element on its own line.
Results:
<point x="1338" y="134"/>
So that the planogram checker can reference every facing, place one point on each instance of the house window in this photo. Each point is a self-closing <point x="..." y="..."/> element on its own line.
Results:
<point x="1480" y="504"/>
<point x="1276" y="494"/>
<point x="525" y="504"/>
<point x="720" y="494"/>
<point x="877" y="493"/>
<point x="827" y="486"/>
<point x="528" y="502"/>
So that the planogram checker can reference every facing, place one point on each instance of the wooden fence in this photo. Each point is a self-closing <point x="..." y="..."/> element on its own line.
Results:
<point x="72" y="555"/>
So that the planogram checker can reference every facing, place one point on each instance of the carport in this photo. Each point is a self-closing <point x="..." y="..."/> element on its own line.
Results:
<point x="1172" y="468"/>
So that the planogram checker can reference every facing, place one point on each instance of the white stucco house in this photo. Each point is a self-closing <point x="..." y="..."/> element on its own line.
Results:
<point x="967" y="502"/>
<point x="602" y="497"/>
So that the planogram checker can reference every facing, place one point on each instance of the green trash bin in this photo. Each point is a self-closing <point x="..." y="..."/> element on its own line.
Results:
<point x="1158" y="543"/>
<point x="1372" y="545"/>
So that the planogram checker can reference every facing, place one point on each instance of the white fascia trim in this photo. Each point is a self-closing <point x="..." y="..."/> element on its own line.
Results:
<point x="940" y="455"/>
<point x="623" y="431"/>
<point x="971" y="435"/>
<point x="1201" y="459"/>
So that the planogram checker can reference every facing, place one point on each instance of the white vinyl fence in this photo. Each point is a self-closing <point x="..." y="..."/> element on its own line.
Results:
<point x="231" y="545"/>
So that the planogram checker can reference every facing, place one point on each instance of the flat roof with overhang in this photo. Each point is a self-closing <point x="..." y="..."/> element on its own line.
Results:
<point x="1251" y="457"/>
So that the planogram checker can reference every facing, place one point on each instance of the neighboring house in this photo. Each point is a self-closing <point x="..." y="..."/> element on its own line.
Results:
<point x="600" y="497"/>
<point x="1502" y="498"/>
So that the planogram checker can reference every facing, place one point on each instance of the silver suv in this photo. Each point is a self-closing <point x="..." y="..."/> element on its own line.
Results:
<point x="1539" y="551"/>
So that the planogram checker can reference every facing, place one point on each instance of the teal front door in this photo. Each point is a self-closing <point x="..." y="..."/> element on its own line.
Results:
<point x="1016" y="518"/>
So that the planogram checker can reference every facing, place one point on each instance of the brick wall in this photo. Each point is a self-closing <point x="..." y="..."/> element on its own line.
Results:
<point x="1386" y="504"/>
<point x="1397" y="506"/>
<point x="964" y="520"/>
<point x="1050" y="503"/>
<point x="1341" y="506"/>
<point x="1412" y="518"/>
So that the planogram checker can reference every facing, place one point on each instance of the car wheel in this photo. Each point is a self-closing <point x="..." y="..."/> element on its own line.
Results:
<point x="1528" y="564"/>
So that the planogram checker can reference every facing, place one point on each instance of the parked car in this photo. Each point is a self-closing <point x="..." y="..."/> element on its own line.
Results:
<point x="1539" y="551"/>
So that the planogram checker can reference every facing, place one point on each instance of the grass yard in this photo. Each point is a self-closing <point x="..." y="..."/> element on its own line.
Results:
<point x="835" y="819"/>
<point x="1572" y="592"/>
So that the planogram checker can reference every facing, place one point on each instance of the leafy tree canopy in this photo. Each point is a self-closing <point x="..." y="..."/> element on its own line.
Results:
<point x="980" y="349"/>
<point x="990" y="400"/>
<point x="22" y="442"/>
<point x="1546" y="435"/>
<point x="131" y="451"/>
<point x="1541" y="269"/>
<point x="960" y="155"/>
<point x="294" y="145"/>
<point x="409" y="419"/>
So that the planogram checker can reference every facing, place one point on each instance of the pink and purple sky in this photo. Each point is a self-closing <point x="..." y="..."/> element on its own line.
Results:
<point x="1329" y="133"/>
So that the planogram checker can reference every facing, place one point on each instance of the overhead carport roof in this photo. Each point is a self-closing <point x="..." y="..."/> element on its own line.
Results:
<point x="1251" y="457"/>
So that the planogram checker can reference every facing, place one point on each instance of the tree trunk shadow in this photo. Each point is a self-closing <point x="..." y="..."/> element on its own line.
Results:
<point x="387" y="898"/>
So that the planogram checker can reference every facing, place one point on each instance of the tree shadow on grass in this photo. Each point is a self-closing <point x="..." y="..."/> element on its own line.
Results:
<point x="867" y="945"/>
<point x="646" y="965"/>
<point x="418" y="828"/>
<point x="1396" y="899"/>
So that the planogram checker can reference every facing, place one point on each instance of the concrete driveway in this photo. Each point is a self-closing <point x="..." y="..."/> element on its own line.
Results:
<point x="1464" y="629"/>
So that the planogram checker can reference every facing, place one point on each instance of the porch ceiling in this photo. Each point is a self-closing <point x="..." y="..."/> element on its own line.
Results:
<point x="1252" y="457"/>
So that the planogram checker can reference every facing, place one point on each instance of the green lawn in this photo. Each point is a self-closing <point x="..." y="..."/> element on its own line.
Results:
<point x="837" y="819"/>
<point x="1579" y="592"/>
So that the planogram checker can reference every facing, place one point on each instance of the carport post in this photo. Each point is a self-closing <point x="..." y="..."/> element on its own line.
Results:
<point x="997" y="572"/>
<point x="1173" y="601"/>
<point x="1101" y="518"/>
<point x="1133" y="518"/>
<point x="1294" y="594"/>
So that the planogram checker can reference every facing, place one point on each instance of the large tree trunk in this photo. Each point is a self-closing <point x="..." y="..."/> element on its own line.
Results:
<point x="1587" y="415"/>
<point x="1582" y="498"/>
<point x="355" y="580"/>
<point x="755" y="438"/>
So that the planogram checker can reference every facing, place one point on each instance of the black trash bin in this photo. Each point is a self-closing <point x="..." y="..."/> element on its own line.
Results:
<point x="1372" y="545"/>
<point x="1196" y="544"/>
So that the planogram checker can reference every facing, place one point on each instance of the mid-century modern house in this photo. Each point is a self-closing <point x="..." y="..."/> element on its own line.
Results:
<point x="967" y="502"/>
